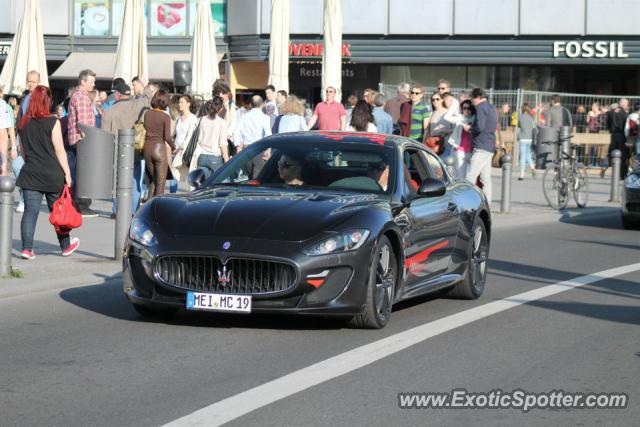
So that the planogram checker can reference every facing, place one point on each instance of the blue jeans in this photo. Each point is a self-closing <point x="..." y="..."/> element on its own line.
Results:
<point x="173" y="186"/>
<point x="524" y="146"/>
<point x="209" y="163"/>
<point x="139" y="187"/>
<point x="16" y="166"/>
<point x="638" y="149"/>
<point x="32" y="202"/>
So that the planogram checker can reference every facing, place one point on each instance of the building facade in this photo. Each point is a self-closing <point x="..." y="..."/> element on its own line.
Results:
<point x="81" y="34"/>
<point x="583" y="46"/>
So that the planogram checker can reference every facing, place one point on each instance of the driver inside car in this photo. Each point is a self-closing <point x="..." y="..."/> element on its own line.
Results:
<point x="290" y="170"/>
<point x="380" y="173"/>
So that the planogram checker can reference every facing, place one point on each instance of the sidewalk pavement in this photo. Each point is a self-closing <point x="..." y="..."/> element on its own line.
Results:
<point x="94" y="263"/>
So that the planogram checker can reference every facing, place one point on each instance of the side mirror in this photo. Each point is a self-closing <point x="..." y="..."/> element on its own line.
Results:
<point x="196" y="178"/>
<point x="432" y="188"/>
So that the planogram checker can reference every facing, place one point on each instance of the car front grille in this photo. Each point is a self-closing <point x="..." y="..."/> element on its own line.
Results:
<point x="235" y="276"/>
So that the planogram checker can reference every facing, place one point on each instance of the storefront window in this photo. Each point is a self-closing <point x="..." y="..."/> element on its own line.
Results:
<point x="165" y="18"/>
<point x="218" y="14"/>
<point x="117" y="13"/>
<point x="91" y="18"/>
<point x="168" y="18"/>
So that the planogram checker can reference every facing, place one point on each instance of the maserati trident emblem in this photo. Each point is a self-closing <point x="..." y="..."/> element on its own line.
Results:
<point x="224" y="275"/>
<point x="226" y="245"/>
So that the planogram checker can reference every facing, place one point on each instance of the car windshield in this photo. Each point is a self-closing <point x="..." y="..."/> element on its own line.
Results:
<point x="359" y="167"/>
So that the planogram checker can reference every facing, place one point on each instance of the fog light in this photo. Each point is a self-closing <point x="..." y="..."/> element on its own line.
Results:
<point x="317" y="280"/>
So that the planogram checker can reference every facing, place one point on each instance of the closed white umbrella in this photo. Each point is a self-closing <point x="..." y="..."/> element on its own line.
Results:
<point x="204" y="58"/>
<point x="332" y="54"/>
<point x="279" y="45"/>
<point x="26" y="52"/>
<point x="131" y="60"/>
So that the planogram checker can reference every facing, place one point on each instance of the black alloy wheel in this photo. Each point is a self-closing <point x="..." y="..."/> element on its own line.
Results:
<point x="380" y="288"/>
<point x="473" y="284"/>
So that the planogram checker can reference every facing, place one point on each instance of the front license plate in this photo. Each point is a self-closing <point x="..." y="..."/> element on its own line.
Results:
<point x="219" y="302"/>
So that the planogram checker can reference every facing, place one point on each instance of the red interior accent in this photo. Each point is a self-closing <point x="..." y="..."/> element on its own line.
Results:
<point x="316" y="283"/>
<point x="414" y="184"/>
<point x="253" y="182"/>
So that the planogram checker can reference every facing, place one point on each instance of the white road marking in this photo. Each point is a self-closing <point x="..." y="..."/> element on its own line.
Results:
<point x="241" y="404"/>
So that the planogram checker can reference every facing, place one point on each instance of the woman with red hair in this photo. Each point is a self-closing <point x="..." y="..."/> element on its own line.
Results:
<point x="45" y="170"/>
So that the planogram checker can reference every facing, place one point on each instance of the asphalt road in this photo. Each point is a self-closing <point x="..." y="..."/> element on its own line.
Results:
<point x="82" y="356"/>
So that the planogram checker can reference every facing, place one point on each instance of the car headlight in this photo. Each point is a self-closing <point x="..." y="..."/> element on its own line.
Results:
<point x="346" y="241"/>
<point x="633" y="181"/>
<point x="141" y="233"/>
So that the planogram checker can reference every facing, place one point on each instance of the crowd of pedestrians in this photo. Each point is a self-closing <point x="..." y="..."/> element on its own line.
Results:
<point x="217" y="128"/>
<point x="181" y="134"/>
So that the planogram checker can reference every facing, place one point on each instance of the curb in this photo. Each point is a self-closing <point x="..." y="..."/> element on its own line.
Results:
<point x="512" y="219"/>
<point x="18" y="287"/>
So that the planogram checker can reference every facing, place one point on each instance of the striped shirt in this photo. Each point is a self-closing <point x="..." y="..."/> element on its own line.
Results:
<point x="419" y="112"/>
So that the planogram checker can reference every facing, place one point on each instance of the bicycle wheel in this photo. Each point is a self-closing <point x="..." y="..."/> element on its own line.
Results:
<point x="554" y="187"/>
<point x="580" y="186"/>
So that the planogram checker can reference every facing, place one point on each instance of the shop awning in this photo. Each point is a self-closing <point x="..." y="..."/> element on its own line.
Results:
<point x="103" y="64"/>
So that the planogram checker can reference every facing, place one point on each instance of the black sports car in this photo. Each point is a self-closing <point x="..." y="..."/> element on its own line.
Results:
<point x="631" y="200"/>
<point x="327" y="223"/>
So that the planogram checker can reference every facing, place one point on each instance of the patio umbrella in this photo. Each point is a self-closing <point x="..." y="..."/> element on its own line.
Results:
<point x="26" y="52"/>
<point x="332" y="54"/>
<point x="131" y="60"/>
<point x="279" y="45"/>
<point x="204" y="59"/>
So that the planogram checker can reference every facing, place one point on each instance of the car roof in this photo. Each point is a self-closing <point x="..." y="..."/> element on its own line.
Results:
<point x="346" y="137"/>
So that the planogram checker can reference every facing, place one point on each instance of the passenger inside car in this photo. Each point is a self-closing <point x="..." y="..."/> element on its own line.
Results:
<point x="290" y="170"/>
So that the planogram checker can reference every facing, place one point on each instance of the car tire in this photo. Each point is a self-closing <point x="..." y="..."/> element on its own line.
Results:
<point x="155" y="312"/>
<point x="472" y="286"/>
<point x="381" y="286"/>
<point x="630" y="224"/>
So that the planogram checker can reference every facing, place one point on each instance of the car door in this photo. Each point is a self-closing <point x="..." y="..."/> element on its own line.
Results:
<point x="432" y="221"/>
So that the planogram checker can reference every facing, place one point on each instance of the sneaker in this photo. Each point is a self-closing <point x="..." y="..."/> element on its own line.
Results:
<point x="520" y="178"/>
<point x="75" y="244"/>
<point x="28" y="254"/>
<point x="89" y="213"/>
<point x="20" y="208"/>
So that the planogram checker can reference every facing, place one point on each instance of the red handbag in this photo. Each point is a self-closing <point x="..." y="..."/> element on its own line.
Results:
<point x="64" y="215"/>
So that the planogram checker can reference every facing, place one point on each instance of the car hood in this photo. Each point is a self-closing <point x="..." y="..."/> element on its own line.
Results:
<point x="289" y="216"/>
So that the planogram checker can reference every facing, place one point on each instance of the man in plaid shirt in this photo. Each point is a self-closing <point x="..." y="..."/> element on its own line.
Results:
<point x="81" y="113"/>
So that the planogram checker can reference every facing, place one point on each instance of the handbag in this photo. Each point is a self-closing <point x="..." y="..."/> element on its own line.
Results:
<point x="496" y="161"/>
<point x="187" y="154"/>
<point x="141" y="132"/>
<point x="64" y="215"/>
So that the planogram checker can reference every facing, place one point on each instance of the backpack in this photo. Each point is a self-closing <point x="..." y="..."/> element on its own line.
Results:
<point x="141" y="133"/>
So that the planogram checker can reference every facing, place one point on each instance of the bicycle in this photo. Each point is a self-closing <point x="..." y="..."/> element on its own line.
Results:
<point x="563" y="176"/>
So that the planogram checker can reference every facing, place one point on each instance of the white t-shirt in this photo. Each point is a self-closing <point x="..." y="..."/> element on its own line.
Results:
<point x="5" y="119"/>
<point x="184" y="130"/>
